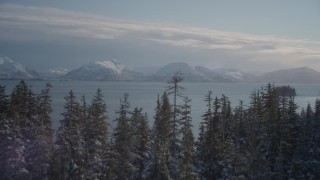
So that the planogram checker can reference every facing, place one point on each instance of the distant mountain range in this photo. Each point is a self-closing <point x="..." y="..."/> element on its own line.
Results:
<point x="13" y="70"/>
<point x="199" y="73"/>
<point x="103" y="71"/>
<point x="112" y="70"/>
<point x="295" y="75"/>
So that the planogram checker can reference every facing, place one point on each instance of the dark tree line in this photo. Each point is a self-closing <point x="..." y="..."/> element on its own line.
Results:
<point x="26" y="134"/>
<point x="267" y="139"/>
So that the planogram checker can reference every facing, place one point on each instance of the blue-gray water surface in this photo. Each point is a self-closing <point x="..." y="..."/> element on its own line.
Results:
<point x="144" y="94"/>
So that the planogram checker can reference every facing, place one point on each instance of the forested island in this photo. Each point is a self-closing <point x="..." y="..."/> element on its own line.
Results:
<point x="267" y="139"/>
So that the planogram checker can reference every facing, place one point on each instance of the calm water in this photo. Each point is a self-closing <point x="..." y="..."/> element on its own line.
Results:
<point x="144" y="94"/>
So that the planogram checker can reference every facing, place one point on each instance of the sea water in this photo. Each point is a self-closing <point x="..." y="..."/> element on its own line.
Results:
<point x="145" y="94"/>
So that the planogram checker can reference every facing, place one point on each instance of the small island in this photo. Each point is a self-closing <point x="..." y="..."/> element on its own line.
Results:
<point x="285" y="91"/>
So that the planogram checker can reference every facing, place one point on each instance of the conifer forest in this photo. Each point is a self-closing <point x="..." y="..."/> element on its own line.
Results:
<point x="267" y="139"/>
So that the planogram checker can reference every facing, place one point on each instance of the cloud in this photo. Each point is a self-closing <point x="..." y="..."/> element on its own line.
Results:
<point x="39" y="21"/>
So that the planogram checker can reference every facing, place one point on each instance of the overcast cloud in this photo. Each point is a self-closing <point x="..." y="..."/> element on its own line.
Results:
<point x="36" y="35"/>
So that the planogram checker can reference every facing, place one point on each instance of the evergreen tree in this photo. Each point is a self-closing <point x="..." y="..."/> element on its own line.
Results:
<point x="201" y="151"/>
<point x="19" y="123"/>
<point x="271" y="117"/>
<point x="187" y="168"/>
<point x="226" y="133"/>
<point x="12" y="161"/>
<point x="95" y="137"/>
<point x="242" y="158"/>
<point x="18" y="107"/>
<point x="175" y="147"/>
<point x="287" y="130"/>
<point x="158" y="167"/>
<point x="123" y="141"/>
<point x="208" y="148"/>
<point x="266" y="140"/>
<point x="316" y="142"/>
<point x="175" y="89"/>
<point x="39" y="150"/>
<point x="68" y="158"/>
<point x="257" y="134"/>
<point x="316" y="134"/>
<point x="140" y="141"/>
<point x="27" y="133"/>
<point x="4" y="102"/>
<point x="290" y="139"/>
<point x="305" y="164"/>
<point x="111" y="161"/>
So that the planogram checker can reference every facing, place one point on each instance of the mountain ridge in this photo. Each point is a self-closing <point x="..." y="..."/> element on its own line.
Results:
<point x="106" y="70"/>
<point x="10" y="69"/>
<point x="113" y="70"/>
<point x="302" y="74"/>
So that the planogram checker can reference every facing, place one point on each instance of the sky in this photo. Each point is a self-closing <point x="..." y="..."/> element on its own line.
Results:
<point x="251" y="35"/>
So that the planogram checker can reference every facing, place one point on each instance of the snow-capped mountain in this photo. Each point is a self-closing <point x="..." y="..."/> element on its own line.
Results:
<point x="59" y="71"/>
<point x="102" y="71"/>
<point x="10" y="69"/>
<point x="114" y="71"/>
<point x="295" y="75"/>
<point x="54" y="73"/>
<point x="197" y="74"/>
<point x="189" y="73"/>
<point x="235" y="75"/>
<point x="211" y="75"/>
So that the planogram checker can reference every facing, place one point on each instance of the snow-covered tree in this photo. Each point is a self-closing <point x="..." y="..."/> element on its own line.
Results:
<point x="16" y="129"/>
<point x="158" y="166"/>
<point x="123" y="141"/>
<point x="187" y="165"/>
<point x="12" y="161"/>
<point x="27" y="133"/>
<point x="201" y="144"/>
<point x="140" y="141"/>
<point x="68" y="158"/>
<point x="39" y="149"/>
<point x="18" y="108"/>
<point x="95" y="137"/>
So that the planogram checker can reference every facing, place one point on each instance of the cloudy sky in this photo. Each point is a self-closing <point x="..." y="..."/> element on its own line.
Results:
<point x="255" y="36"/>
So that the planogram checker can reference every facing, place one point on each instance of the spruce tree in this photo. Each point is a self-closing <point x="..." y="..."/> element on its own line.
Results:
<point x="271" y="117"/>
<point x="317" y="120"/>
<point x="201" y="153"/>
<point x="123" y="141"/>
<point x="158" y="167"/>
<point x="68" y="158"/>
<point x="187" y="166"/>
<point x="26" y="129"/>
<point x="242" y="143"/>
<point x="226" y="130"/>
<point x="316" y="134"/>
<point x="12" y="161"/>
<point x="4" y="102"/>
<point x="18" y="108"/>
<point x="287" y="130"/>
<point x="175" y="89"/>
<point x="95" y="137"/>
<point x="20" y="121"/>
<point x="39" y="150"/>
<point x="257" y="137"/>
<point x="140" y="141"/>
<point x="208" y="149"/>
